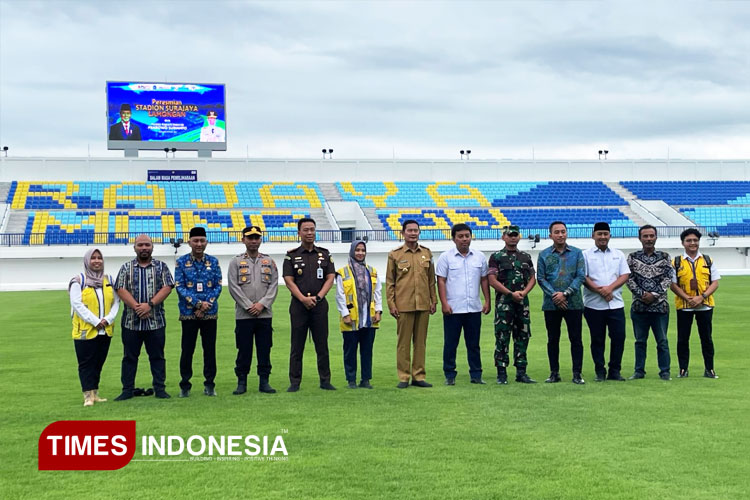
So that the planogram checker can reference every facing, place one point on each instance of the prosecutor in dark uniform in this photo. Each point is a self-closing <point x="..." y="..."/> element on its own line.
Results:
<point x="308" y="274"/>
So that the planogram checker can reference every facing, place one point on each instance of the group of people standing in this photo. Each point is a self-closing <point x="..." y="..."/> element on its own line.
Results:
<point x="460" y="276"/>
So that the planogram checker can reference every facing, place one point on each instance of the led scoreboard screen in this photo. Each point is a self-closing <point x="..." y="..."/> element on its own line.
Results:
<point x="151" y="115"/>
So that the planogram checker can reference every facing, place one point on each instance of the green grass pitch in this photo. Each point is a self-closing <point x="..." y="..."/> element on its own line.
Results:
<point x="647" y="439"/>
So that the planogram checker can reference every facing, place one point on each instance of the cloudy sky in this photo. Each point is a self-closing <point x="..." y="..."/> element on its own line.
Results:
<point x="372" y="79"/>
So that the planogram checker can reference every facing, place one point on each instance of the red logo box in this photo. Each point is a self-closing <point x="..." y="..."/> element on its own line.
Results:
<point x="87" y="445"/>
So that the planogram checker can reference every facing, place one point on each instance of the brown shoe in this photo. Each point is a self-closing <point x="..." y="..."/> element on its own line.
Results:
<point x="88" y="399"/>
<point x="96" y="398"/>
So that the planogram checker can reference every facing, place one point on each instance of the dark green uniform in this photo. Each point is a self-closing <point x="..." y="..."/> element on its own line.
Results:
<point x="513" y="270"/>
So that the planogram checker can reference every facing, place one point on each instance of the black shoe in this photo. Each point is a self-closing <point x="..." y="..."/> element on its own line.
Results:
<point x="615" y="376"/>
<point x="665" y="376"/>
<point x="265" y="387"/>
<point x="683" y="373"/>
<point x="293" y="388"/>
<point x="241" y="388"/>
<point x="124" y="395"/>
<point x="450" y="381"/>
<point x="162" y="394"/>
<point x="578" y="379"/>
<point x="403" y="385"/>
<point x="637" y="376"/>
<point x="139" y="391"/>
<point x="420" y="383"/>
<point x="478" y="381"/>
<point x="600" y="377"/>
<point x="524" y="379"/>
<point x="710" y="374"/>
<point x="502" y="375"/>
<point x="184" y="393"/>
<point x="352" y="385"/>
<point x="365" y="384"/>
<point x="326" y="386"/>
<point x="553" y="378"/>
<point x="209" y="391"/>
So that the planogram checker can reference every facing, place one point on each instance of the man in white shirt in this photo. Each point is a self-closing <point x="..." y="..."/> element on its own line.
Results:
<point x="461" y="272"/>
<point x="606" y="272"/>
<point x="212" y="132"/>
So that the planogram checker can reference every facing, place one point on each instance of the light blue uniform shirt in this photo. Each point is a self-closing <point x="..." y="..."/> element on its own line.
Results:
<point x="463" y="275"/>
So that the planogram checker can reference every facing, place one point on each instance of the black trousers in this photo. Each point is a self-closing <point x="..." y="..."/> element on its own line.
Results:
<point x="364" y="338"/>
<point x="574" y="323"/>
<point x="190" y="329"/>
<point x="91" y="356"/>
<point x="600" y="322"/>
<point x="245" y="331"/>
<point x="471" y="323"/>
<point x="704" y="320"/>
<point x="316" y="321"/>
<point x="132" y="340"/>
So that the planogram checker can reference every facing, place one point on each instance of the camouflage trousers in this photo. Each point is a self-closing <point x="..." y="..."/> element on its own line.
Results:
<point x="512" y="320"/>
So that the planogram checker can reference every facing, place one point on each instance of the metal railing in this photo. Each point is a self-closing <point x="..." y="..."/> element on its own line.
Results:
<point x="325" y="235"/>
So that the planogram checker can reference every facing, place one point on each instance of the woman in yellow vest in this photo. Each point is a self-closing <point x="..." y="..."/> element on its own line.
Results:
<point x="94" y="306"/>
<point x="359" y="301"/>
<point x="694" y="283"/>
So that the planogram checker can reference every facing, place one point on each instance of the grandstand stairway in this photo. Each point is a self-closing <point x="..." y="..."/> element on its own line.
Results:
<point x="621" y="190"/>
<point x="4" y="189"/>
<point x="17" y="222"/>
<point x="373" y="219"/>
<point x="330" y="191"/>
<point x="628" y="196"/>
<point x="637" y="219"/>
<point x="321" y="219"/>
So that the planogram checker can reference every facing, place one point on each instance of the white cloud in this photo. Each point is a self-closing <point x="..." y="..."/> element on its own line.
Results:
<point x="424" y="78"/>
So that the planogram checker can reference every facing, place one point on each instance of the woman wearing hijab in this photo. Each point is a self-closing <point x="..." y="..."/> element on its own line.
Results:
<point x="359" y="301"/>
<point x="94" y="306"/>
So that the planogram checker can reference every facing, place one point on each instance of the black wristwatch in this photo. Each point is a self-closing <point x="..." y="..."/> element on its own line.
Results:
<point x="150" y="304"/>
<point x="318" y="298"/>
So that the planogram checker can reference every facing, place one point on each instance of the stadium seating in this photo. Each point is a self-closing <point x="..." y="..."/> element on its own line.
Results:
<point x="486" y="223"/>
<point x="74" y="195"/>
<point x="120" y="226"/>
<point x="478" y="194"/>
<point x="728" y="220"/>
<point x="692" y="192"/>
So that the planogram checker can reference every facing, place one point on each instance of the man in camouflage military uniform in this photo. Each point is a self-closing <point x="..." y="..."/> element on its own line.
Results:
<point x="511" y="274"/>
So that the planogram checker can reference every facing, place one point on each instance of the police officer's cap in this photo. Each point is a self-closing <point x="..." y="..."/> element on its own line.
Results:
<point x="252" y="231"/>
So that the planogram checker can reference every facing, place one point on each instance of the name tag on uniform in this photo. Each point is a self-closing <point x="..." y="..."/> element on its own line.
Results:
<point x="320" y="273"/>
<point x="199" y="287"/>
